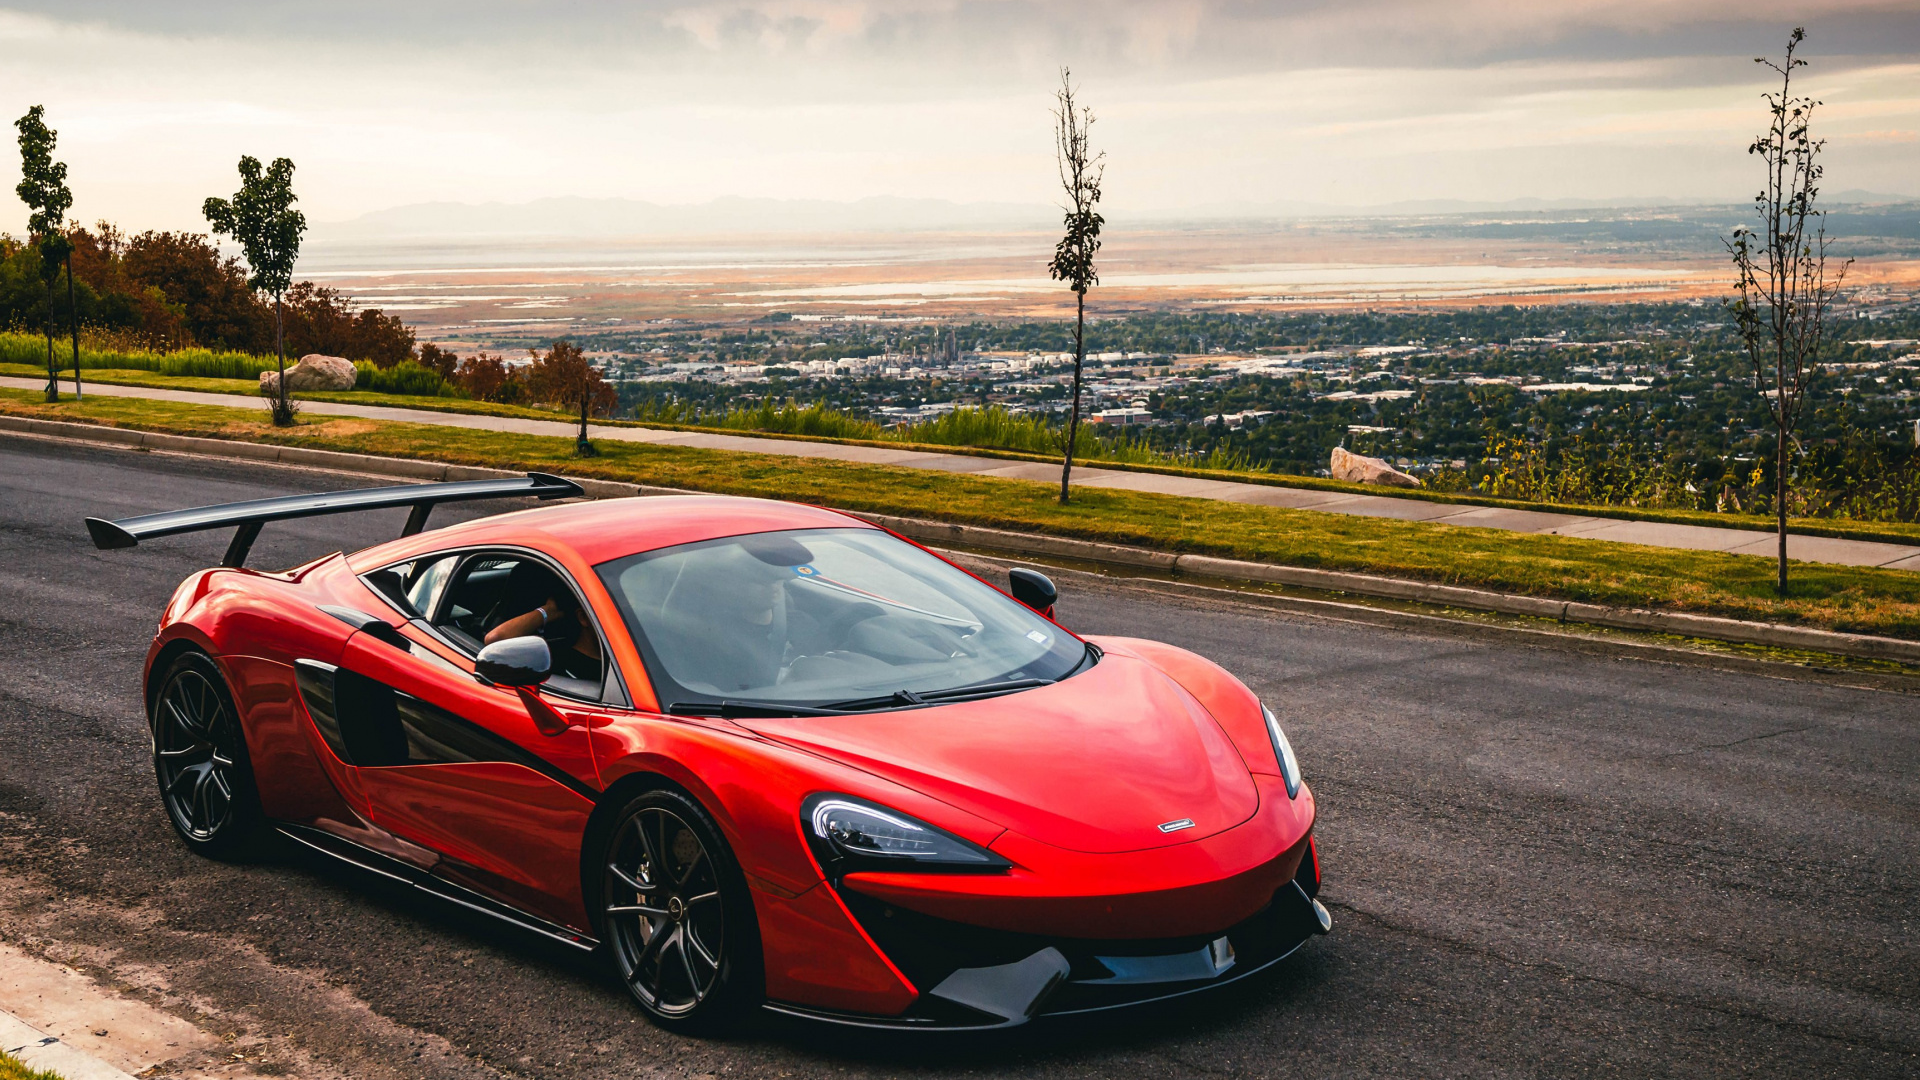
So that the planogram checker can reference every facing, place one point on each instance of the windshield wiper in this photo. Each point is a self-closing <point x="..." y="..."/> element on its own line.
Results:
<point x="900" y="699"/>
<point x="731" y="709"/>
<point x="979" y="690"/>
<point x="907" y="699"/>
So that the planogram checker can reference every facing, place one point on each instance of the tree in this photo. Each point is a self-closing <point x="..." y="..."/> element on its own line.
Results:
<point x="262" y="219"/>
<point x="323" y="320"/>
<point x="443" y="362"/>
<point x="43" y="187"/>
<point x="488" y="378"/>
<point x="1783" y="290"/>
<point x="564" y="375"/>
<point x="217" y="307"/>
<point x="1081" y="172"/>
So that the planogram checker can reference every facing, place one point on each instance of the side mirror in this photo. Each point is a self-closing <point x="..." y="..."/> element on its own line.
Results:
<point x="521" y="661"/>
<point x="1034" y="589"/>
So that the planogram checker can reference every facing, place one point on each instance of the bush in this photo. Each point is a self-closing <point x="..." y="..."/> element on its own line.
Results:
<point x="405" y="377"/>
<point x="790" y="419"/>
<point x="17" y="348"/>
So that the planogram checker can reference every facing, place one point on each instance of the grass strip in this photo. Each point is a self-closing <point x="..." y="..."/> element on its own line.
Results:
<point x="1893" y="532"/>
<point x="12" y="1068"/>
<point x="1852" y="599"/>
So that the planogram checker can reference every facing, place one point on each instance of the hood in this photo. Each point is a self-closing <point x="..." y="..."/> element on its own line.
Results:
<point x="1096" y="763"/>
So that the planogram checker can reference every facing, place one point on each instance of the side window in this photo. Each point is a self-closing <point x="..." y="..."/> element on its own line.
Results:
<point x="413" y="587"/>
<point x="499" y="593"/>
<point x="483" y="597"/>
<point x="423" y="590"/>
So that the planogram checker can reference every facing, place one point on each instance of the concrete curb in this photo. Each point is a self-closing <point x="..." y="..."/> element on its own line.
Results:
<point x="939" y="532"/>
<point x="37" y="1050"/>
<point x="57" y="1019"/>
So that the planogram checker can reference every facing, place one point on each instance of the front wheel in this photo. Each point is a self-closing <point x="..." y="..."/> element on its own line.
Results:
<point x="676" y="914"/>
<point x="200" y="760"/>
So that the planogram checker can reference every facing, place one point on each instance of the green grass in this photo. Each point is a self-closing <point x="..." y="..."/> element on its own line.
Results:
<point x="818" y="425"/>
<point x="1832" y="597"/>
<point x="11" y="1068"/>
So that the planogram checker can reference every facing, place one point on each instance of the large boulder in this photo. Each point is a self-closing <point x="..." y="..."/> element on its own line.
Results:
<point x="1360" y="469"/>
<point x="313" y="372"/>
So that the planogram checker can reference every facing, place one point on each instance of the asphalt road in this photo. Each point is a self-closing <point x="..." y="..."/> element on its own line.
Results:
<point x="1541" y="862"/>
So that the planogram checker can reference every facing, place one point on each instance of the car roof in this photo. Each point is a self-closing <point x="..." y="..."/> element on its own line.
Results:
<point x="602" y="529"/>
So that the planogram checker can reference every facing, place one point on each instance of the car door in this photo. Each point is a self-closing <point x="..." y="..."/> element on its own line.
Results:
<point x="498" y="781"/>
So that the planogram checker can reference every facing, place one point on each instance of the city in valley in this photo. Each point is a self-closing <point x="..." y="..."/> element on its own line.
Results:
<point x="1439" y="341"/>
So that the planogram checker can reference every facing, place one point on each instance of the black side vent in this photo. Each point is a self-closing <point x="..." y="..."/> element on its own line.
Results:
<point x="357" y="716"/>
<point x="317" y="690"/>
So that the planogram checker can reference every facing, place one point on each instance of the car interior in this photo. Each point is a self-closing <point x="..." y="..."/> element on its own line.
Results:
<point x="465" y="598"/>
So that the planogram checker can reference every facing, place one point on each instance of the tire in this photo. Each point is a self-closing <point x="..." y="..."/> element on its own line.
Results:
<point x="675" y="914"/>
<point x="200" y="762"/>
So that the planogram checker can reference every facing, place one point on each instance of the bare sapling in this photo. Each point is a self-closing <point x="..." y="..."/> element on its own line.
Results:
<point x="1081" y="173"/>
<point x="1782" y="289"/>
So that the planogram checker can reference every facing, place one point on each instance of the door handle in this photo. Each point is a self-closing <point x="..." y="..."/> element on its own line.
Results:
<point x="544" y="718"/>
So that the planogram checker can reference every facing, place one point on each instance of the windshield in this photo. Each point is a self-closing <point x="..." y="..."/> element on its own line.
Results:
<point x="820" y="617"/>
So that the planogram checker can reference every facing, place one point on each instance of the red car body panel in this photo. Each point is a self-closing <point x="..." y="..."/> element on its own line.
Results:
<point x="1186" y="889"/>
<point x="1095" y="763"/>
<point x="1073" y="782"/>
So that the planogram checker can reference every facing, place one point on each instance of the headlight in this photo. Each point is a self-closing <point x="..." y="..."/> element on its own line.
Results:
<point x="1282" y="749"/>
<point x="849" y="834"/>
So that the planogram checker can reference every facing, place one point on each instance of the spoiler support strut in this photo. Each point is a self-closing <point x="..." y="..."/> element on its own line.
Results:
<point x="247" y="517"/>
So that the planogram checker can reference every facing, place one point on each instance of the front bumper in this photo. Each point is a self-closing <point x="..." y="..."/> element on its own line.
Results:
<point x="976" y="978"/>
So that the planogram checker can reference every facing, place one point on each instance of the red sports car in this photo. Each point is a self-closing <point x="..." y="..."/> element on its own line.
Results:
<point x="762" y="754"/>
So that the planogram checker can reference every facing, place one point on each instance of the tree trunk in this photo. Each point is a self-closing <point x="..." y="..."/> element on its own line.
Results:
<point x="73" y="324"/>
<point x="582" y="447"/>
<point x="1780" y="506"/>
<point x="1073" y="417"/>
<point x="282" y="411"/>
<point x="53" y="376"/>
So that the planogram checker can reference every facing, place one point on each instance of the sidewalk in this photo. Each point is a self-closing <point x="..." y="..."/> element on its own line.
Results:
<point x="1654" y="534"/>
<point x="54" y="1018"/>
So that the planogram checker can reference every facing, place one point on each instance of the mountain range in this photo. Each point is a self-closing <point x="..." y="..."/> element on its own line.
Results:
<point x="608" y="218"/>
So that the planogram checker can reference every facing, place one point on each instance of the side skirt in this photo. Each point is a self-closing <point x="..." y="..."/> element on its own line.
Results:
<point x="388" y="867"/>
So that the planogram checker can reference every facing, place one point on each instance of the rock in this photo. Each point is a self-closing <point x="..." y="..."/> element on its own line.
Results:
<point x="1360" y="469"/>
<point x="313" y="372"/>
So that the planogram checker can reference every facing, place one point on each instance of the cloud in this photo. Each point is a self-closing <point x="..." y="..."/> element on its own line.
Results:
<point x="1200" y="101"/>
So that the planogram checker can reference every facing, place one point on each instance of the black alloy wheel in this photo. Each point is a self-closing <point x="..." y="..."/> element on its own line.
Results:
<point x="200" y="761"/>
<point x="676" y="915"/>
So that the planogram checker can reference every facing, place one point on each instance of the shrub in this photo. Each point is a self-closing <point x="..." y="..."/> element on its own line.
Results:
<point x="405" y="377"/>
<point x="18" y="348"/>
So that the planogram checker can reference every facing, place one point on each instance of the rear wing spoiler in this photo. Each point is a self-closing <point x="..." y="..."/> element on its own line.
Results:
<point x="249" y="516"/>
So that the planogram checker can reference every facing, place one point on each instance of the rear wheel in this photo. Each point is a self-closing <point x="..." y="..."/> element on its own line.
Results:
<point x="676" y="914"/>
<point x="200" y="760"/>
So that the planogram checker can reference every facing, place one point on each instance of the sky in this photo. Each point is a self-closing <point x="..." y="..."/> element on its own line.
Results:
<point x="1201" y="105"/>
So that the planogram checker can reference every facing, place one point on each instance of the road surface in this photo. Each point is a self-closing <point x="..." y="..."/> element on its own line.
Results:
<point x="1541" y="862"/>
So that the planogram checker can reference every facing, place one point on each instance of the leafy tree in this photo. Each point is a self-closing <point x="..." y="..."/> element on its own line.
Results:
<point x="564" y="375"/>
<point x="1783" y="289"/>
<point x="43" y="187"/>
<point x="217" y="307"/>
<point x="488" y="378"/>
<point x="260" y="216"/>
<point x="319" y="319"/>
<point x="1081" y="172"/>
<point x="442" y="361"/>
